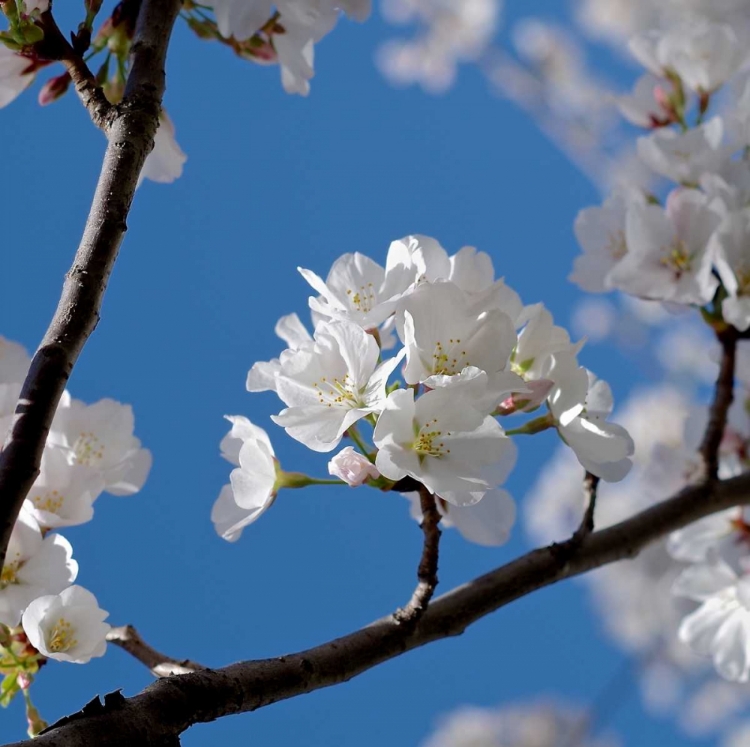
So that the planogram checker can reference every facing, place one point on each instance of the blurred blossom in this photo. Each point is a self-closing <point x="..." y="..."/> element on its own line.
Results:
<point x="688" y="350"/>
<point x="447" y="33"/>
<point x="544" y="724"/>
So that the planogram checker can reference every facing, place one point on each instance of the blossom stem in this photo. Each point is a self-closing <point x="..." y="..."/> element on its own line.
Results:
<point x="537" y="425"/>
<point x="723" y="396"/>
<point x="353" y="433"/>
<point x="428" y="564"/>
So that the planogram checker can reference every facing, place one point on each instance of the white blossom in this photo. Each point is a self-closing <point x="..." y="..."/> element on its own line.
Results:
<point x="730" y="245"/>
<point x="703" y="55"/>
<point x="34" y="565"/>
<point x="486" y="523"/>
<point x="720" y="627"/>
<point x="164" y="163"/>
<point x="443" y="442"/>
<point x="668" y="257"/>
<point x="14" y="78"/>
<point x="580" y="405"/>
<point x="356" y="290"/>
<point x="262" y="376"/>
<point x="684" y="157"/>
<point x="331" y="385"/>
<point x="443" y="334"/>
<point x="352" y="467"/>
<point x="600" y="231"/>
<point x="65" y="491"/>
<point x="252" y="490"/>
<point x="68" y="626"/>
<point x="100" y="437"/>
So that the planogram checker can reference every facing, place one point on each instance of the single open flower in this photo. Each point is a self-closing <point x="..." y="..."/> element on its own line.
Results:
<point x="68" y="626"/>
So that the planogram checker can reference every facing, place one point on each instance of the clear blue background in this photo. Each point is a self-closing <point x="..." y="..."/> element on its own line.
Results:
<point x="207" y="267"/>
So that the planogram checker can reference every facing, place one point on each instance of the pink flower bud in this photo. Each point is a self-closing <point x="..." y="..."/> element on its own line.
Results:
<point x="526" y="401"/>
<point x="351" y="467"/>
<point x="53" y="89"/>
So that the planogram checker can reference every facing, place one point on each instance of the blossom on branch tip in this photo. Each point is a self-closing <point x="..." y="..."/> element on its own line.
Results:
<point x="68" y="626"/>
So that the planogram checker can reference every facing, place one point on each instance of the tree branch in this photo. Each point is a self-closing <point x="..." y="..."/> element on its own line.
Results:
<point x="131" y="138"/>
<point x="590" y="485"/>
<point x="427" y="579"/>
<point x="161" y="665"/>
<point x="171" y="705"/>
<point x="722" y="401"/>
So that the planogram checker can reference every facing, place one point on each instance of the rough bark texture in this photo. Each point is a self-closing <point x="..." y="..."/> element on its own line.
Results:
<point x="169" y="706"/>
<point x="131" y="138"/>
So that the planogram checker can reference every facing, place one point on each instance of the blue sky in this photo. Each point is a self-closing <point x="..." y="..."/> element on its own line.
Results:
<point x="207" y="267"/>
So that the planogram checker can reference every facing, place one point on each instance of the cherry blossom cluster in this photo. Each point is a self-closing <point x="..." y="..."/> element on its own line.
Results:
<point x="470" y="355"/>
<point x="690" y="249"/>
<point x="90" y="450"/>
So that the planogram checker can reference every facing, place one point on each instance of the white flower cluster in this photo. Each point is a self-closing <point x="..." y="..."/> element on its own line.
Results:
<point x="695" y="245"/>
<point x="296" y="26"/>
<point x="543" y="724"/>
<point x="90" y="449"/>
<point x="470" y="353"/>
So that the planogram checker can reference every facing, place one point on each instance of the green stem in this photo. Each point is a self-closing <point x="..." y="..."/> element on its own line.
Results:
<point x="353" y="433"/>
<point x="533" y="426"/>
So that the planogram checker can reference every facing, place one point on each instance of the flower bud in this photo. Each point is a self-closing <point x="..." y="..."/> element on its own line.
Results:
<point x="352" y="467"/>
<point x="527" y="401"/>
<point x="53" y="89"/>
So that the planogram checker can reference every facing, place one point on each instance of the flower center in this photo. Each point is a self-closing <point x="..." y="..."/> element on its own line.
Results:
<point x="89" y="450"/>
<point x="337" y="392"/>
<point x="676" y="257"/>
<point x="9" y="573"/>
<point x="364" y="298"/>
<point x="448" y="360"/>
<point x="428" y="441"/>
<point x="51" y="501"/>
<point x="616" y="245"/>
<point x="62" y="636"/>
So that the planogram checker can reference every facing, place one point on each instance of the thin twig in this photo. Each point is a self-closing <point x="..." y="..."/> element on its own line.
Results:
<point x="590" y="485"/>
<point x="427" y="579"/>
<point x="131" y="138"/>
<point x="161" y="665"/>
<point x="171" y="705"/>
<point x="56" y="46"/>
<point x="723" y="396"/>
